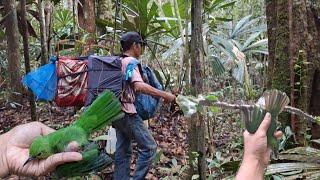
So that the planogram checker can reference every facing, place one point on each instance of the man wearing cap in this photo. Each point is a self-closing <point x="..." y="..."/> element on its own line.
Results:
<point x="131" y="127"/>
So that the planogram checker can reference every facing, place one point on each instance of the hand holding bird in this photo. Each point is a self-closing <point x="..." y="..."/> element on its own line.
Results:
<point x="15" y="150"/>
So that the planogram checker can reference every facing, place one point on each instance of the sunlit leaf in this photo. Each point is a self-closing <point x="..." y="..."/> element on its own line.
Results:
<point x="196" y="176"/>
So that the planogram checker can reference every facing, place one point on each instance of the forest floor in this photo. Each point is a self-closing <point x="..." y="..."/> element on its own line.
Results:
<point x="169" y="132"/>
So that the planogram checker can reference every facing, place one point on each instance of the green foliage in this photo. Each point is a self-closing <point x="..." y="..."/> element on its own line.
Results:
<point x="143" y="17"/>
<point x="158" y="157"/>
<point x="219" y="165"/>
<point x="284" y="142"/>
<point x="217" y="65"/>
<point x="30" y="12"/>
<point x="175" y="171"/>
<point x="163" y="80"/>
<point x="2" y="34"/>
<point x="170" y="21"/>
<point x="237" y="49"/>
<point x="212" y="97"/>
<point x="318" y="119"/>
<point x="140" y="16"/>
<point x="216" y="10"/>
<point x="63" y="23"/>
<point x="231" y="48"/>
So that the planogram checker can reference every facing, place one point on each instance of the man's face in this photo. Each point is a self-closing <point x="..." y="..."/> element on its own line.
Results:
<point x="137" y="49"/>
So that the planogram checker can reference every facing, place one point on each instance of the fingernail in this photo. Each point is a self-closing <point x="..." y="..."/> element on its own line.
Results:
<point x="268" y="115"/>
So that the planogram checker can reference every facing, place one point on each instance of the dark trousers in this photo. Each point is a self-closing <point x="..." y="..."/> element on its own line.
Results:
<point x="131" y="127"/>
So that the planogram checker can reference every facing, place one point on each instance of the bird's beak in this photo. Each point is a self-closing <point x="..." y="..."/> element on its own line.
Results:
<point x="28" y="160"/>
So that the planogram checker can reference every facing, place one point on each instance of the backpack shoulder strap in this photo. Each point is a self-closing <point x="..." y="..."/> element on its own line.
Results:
<point x="130" y="68"/>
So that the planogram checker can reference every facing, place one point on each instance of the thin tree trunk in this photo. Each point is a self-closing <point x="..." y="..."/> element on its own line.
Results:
<point x="197" y="46"/>
<point x="197" y="125"/>
<point x="43" y="37"/>
<point x="13" y="55"/>
<point x="186" y="55"/>
<point x="25" y="36"/>
<point x="291" y="62"/>
<point x="48" y="23"/>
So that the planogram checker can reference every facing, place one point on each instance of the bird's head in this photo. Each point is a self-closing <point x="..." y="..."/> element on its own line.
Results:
<point x="39" y="149"/>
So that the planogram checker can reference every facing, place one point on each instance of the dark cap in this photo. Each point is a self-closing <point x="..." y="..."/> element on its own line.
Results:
<point x="131" y="37"/>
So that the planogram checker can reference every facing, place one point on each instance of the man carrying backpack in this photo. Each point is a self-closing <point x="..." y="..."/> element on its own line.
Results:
<point x="131" y="127"/>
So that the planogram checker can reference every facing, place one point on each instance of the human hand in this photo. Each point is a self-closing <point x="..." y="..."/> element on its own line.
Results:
<point x="168" y="98"/>
<point x="255" y="145"/>
<point x="15" y="151"/>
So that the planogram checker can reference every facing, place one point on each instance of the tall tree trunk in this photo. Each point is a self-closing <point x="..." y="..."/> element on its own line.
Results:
<point x="25" y="36"/>
<point x="86" y="18"/>
<point x="197" y="125"/>
<point x="43" y="36"/>
<point x="279" y="71"/>
<point x="271" y="13"/>
<point x="312" y="66"/>
<point x="293" y="54"/>
<point x="13" y="55"/>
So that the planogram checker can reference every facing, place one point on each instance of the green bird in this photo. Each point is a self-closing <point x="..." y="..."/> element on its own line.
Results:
<point x="274" y="102"/>
<point x="105" y="109"/>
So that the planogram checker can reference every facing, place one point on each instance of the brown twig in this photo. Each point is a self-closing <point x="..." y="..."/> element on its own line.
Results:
<point x="288" y="109"/>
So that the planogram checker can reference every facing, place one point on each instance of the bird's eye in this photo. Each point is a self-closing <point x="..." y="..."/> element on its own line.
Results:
<point x="39" y="154"/>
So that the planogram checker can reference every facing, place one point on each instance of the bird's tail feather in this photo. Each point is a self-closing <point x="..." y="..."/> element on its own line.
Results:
<point x="106" y="108"/>
<point x="275" y="101"/>
<point x="93" y="161"/>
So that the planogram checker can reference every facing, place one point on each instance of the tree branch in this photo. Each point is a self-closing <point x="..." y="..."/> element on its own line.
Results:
<point x="288" y="109"/>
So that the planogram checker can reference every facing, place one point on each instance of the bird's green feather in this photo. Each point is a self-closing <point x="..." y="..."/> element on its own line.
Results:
<point x="93" y="160"/>
<point x="105" y="109"/>
<point x="275" y="101"/>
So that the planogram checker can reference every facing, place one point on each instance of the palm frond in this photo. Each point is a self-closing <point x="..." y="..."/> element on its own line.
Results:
<point x="217" y="65"/>
<point x="250" y="40"/>
<point x="240" y="25"/>
<point x="238" y="72"/>
<point x="259" y="44"/>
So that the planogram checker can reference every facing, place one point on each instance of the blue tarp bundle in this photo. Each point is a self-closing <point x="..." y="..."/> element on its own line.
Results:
<point x="43" y="81"/>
